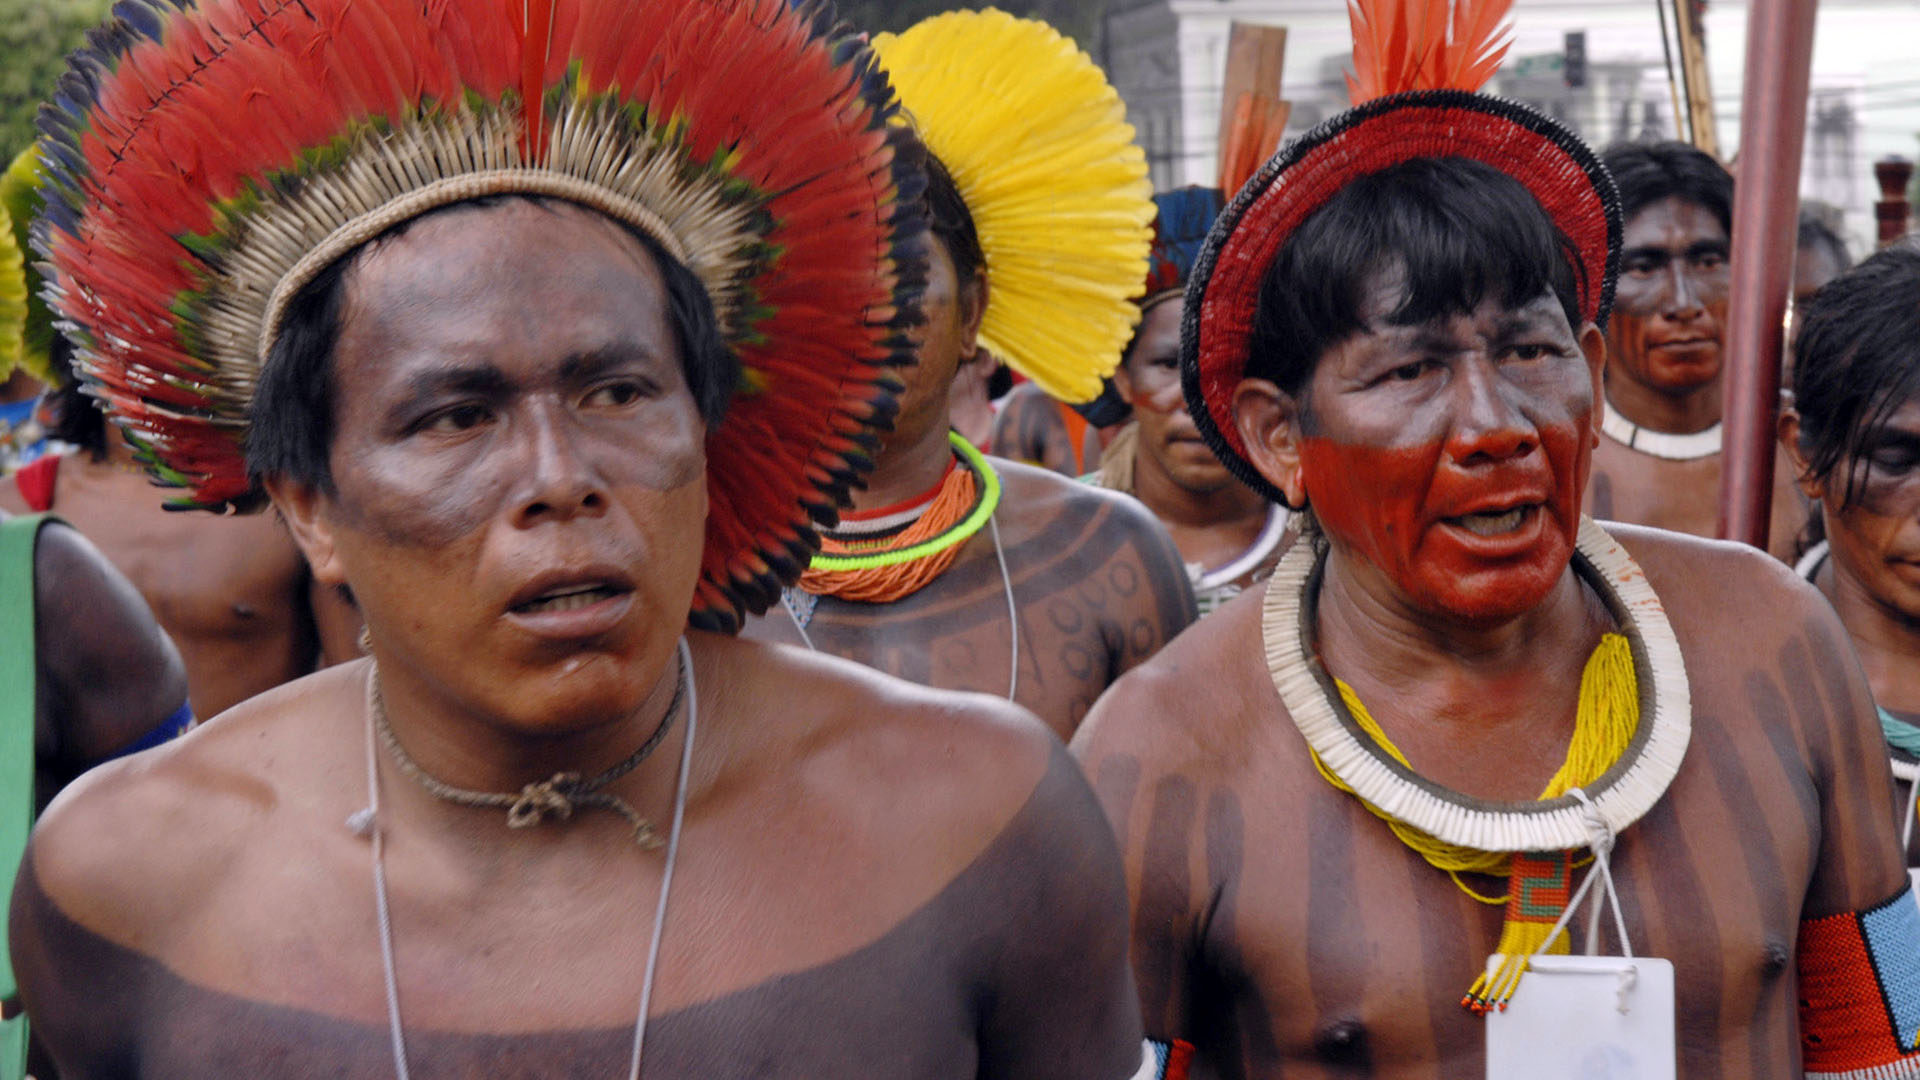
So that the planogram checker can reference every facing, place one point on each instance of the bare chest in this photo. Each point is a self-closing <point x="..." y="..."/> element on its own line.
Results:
<point x="1052" y="638"/>
<point x="1627" y="485"/>
<point x="544" y="979"/>
<point x="1336" y="950"/>
<point x="205" y="577"/>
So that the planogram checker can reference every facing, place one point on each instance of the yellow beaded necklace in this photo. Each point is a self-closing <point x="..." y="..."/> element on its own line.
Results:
<point x="1604" y="725"/>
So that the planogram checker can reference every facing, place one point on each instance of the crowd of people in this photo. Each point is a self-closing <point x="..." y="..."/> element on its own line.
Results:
<point x="680" y="538"/>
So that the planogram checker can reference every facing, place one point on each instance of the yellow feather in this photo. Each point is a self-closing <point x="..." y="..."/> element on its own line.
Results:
<point x="13" y="298"/>
<point x="19" y="198"/>
<point x="1039" y="145"/>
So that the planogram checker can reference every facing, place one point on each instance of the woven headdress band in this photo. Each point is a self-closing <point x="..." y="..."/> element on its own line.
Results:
<point x="1415" y="97"/>
<point x="208" y="160"/>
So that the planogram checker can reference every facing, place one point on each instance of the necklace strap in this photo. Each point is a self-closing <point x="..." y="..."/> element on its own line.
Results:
<point x="366" y="823"/>
<point x="555" y="798"/>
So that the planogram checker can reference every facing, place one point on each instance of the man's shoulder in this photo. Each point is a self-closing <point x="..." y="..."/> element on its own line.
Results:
<point x="852" y="734"/>
<point x="138" y="840"/>
<point x="1025" y="483"/>
<point x="1716" y="579"/>
<point x="1034" y="499"/>
<point x="1199" y="701"/>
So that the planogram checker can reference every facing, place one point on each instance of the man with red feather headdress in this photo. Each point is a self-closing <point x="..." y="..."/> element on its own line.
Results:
<point x="553" y="329"/>
<point x="1367" y="808"/>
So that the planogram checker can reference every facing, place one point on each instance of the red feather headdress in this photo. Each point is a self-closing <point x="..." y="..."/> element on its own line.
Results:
<point x="206" y="160"/>
<point x="1418" y="65"/>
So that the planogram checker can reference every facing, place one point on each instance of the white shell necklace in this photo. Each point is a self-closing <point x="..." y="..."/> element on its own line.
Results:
<point x="367" y="823"/>
<point x="1660" y="444"/>
<point x="1619" y="798"/>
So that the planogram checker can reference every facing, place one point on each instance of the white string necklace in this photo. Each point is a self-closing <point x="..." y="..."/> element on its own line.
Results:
<point x="1619" y="798"/>
<point x="366" y="823"/>
<point x="800" y="609"/>
<point x="1660" y="444"/>
<point x="1271" y="533"/>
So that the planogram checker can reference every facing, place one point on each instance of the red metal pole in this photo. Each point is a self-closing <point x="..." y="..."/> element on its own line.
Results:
<point x="1773" y="126"/>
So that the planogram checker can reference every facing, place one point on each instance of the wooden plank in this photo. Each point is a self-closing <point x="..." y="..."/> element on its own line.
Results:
<point x="1256" y="57"/>
<point x="1693" y="62"/>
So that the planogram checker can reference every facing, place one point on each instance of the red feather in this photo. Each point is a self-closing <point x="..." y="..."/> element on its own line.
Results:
<point x="1397" y="48"/>
<point x="187" y="113"/>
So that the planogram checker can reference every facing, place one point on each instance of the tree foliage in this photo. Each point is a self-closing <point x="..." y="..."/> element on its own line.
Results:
<point x="35" y="38"/>
<point x="1078" y="19"/>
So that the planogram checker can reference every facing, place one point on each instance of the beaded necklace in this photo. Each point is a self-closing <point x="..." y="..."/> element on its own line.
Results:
<point x="1537" y="838"/>
<point x="928" y="537"/>
<point x="1661" y="444"/>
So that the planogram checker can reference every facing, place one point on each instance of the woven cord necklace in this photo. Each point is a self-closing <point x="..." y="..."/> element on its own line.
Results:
<point x="367" y="823"/>
<point x="556" y="797"/>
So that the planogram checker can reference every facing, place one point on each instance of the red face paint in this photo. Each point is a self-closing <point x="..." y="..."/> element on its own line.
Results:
<point x="1392" y="505"/>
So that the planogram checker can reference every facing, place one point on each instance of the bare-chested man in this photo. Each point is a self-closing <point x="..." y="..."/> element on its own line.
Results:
<point x="233" y="591"/>
<point x="1658" y="462"/>
<point x="1228" y="534"/>
<point x="1418" y="362"/>
<point x="85" y="675"/>
<point x="501" y="424"/>
<point x="1854" y="436"/>
<point x="108" y="679"/>
<point x="1090" y="579"/>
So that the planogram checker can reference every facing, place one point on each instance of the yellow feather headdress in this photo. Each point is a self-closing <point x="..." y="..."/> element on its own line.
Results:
<point x="1038" y="143"/>
<point x="13" y="297"/>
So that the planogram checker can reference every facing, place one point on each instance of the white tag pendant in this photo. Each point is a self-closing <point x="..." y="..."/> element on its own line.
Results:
<point x="1586" y="1018"/>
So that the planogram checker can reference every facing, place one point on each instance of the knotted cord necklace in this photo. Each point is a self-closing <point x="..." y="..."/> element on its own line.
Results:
<point x="557" y="797"/>
<point x="367" y="823"/>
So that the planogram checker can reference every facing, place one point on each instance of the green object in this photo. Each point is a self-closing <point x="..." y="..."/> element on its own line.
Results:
<point x="975" y="521"/>
<point x="19" y="672"/>
<point x="1899" y="734"/>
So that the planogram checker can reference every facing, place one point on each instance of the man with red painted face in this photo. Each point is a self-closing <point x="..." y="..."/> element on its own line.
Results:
<point x="1367" y="787"/>
<point x="547" y="827"/>
<point x="1659" y="460"/>
<point x="1854" y="437"/>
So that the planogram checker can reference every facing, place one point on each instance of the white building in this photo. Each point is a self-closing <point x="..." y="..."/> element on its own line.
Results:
<point x="1168" y="59"/>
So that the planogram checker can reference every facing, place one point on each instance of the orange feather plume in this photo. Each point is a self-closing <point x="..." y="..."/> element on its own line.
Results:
<point x="1401" y="45"/>
<point x="1259" y="123"/>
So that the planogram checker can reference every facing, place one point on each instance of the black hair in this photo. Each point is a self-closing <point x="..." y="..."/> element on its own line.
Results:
<point x="77" y="417"/>
<point x="291" y="422"/>
<point x="1816" y="234"/>
<point x="1856" y="360"/>
<point x="1461" y="230"/>
<point x="1646" y="173"/>
<point x="947" y="215"/>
